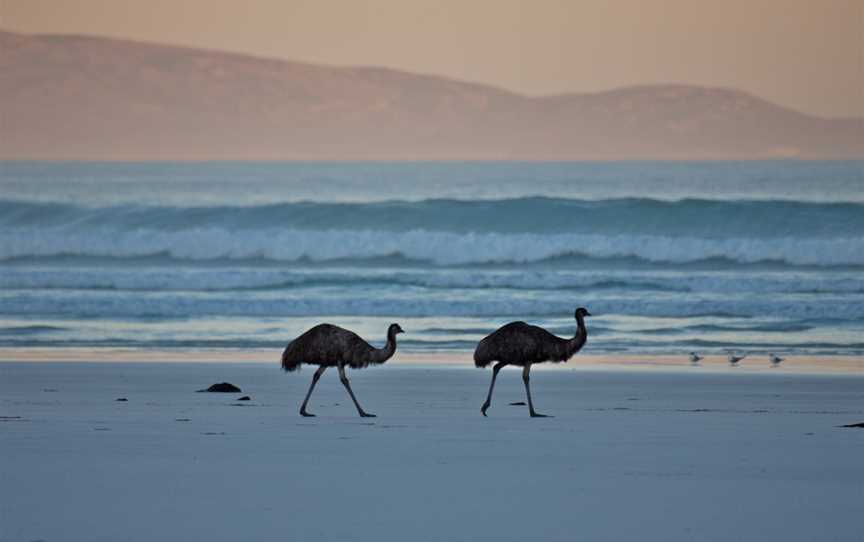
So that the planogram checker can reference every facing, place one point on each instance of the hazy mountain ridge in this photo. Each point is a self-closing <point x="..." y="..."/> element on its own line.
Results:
<point x="80" y="97"/>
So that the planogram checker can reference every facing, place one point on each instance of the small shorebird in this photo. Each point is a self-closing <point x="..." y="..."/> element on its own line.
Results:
<point x="775" y="360"/>
<point x="695" y="358"/>
<point x="733" y="359"/>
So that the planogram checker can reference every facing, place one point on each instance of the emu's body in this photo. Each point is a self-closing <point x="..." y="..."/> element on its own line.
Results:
<point x="523" y="345"/>
<point x="327" y="345"/>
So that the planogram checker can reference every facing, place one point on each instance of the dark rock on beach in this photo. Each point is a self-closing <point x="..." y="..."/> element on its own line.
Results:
<point x="222" y="387"/>
<point x="245" y="398"/>
<point x="518" y="403"/>
<point x="860" y="425"/>
<point x="121" y="399"/>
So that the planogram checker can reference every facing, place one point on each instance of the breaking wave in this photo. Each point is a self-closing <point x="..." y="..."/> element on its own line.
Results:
<point x="447" y="232"/>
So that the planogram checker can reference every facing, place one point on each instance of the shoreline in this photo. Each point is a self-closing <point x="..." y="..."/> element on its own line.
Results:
<point x="828" y="364"/>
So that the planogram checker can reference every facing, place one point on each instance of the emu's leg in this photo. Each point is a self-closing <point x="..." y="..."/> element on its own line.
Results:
<point x="315" y="378"/>
<point x="488" y="402"/>
<point x="347" y="385"/>
<point x="526" y="378"/>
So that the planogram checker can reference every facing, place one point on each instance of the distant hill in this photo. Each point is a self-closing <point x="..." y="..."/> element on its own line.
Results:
<point x="77" y="97"/>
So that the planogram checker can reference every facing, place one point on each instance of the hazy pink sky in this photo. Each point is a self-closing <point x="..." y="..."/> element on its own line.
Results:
<point x="806" y="54"/>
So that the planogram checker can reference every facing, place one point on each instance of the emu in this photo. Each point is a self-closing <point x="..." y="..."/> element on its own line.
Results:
<point x="523" y="345"/>
<point x="327" y="345"/>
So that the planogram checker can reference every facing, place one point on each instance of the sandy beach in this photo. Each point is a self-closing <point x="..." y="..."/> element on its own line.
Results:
<point x="631" y="454"/>
<point x="791" y="363"/>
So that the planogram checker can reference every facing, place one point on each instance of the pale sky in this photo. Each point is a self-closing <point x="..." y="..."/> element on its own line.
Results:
<point x="805" y="54"/>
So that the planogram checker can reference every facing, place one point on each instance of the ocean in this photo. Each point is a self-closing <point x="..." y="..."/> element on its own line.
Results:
<point x="669" y="256"/>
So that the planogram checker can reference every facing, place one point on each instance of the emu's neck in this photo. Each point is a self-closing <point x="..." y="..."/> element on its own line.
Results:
<point x="383" y="354"/>
<point x="575" y="344"/>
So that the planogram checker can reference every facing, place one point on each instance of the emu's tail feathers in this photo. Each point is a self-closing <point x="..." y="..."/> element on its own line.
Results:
<point x="289" y="363"/>
<point x="482" y="356"/>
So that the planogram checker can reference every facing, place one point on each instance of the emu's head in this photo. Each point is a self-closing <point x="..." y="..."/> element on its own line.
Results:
<point x="394" y="330"/>
<point x="582" y="312"/>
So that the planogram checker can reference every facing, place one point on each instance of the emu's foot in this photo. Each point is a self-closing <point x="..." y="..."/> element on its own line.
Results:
<point x="484" y="408"/>
<point x="538" y="415"/>
<point x="367" y="415"/>
<point x="306" y="414"/>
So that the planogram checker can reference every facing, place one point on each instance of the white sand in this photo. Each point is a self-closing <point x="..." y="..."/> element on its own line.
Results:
<point x="631" y="455"/>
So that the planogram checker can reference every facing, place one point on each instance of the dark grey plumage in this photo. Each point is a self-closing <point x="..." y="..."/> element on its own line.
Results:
<point x="327" y="345"/>
<point x="523" y="345"/>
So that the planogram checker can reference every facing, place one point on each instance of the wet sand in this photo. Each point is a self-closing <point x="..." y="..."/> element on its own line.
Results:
<point x="802" y="363"/>
<point x="631" y="454"/>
